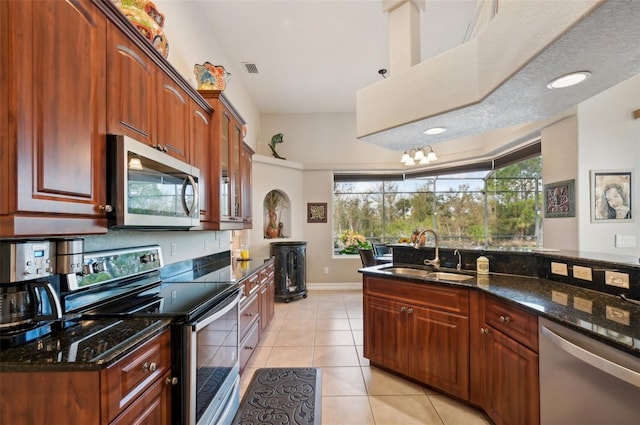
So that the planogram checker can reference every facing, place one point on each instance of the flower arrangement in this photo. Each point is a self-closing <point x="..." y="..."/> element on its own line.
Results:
<point x="351" y="241"/>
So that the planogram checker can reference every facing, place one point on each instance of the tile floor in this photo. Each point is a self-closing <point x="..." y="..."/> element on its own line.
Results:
<point x="325" y="330"/>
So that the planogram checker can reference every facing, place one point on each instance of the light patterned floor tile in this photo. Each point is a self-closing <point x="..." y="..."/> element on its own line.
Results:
<point x="454" y="412"/>
<point x="335" y="355"/>
<point x="351" y="410"/>
<point x="290" y="357"/>
<point x="404" y="410"/>
<point x="380" y="382"/>
<point x="301" y="338"/>
<point x="342" y="381"/>
<point x="334" y="338"/>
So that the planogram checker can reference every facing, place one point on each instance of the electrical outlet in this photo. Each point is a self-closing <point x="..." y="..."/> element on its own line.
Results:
<point x="583" y="304"/>
<point x="173" y="249"/>
<point x="560" y="297"/>
<point x="583" y="273"/>
<point x="618" y="315"/>
<point x="326" y="270"/>
<point x="559" y="268"/>
<point x="618" y="279"/>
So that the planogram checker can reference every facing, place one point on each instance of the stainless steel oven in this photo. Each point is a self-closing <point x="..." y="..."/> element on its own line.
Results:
<point x="213" y="364"/>
<point x="204" y="313"/>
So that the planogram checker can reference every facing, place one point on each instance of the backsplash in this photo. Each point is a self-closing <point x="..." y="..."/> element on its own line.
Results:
<point x="530" y="264"/>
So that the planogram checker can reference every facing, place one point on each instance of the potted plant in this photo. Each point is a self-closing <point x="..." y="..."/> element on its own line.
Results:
<point x="273" y="203"/>
<point x="352" y="241"/>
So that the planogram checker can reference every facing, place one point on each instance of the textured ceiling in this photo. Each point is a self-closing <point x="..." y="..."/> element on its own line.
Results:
<point x="606" y="43"/>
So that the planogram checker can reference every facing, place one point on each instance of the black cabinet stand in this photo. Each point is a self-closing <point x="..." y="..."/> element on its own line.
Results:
<point x="290" y="275"/>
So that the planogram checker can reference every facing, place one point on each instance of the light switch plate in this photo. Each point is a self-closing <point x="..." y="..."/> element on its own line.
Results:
<point x="583" y="273"/>
<point x="559" y="268"/>
<point x="618" y="279"/>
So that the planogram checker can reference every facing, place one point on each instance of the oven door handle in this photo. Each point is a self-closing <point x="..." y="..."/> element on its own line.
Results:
<point x="220" y="310"/>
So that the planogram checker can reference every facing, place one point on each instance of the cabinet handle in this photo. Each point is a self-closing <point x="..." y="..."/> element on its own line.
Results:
<point x="171" y="381"/>
<point x="248" y="347"/>
<point x="484" y="331"/>
<point x="410" y="310"/>
<point x="505" y="319"/>
<point x="105" y="208"/>
<point x="249" y="314"/>
<point x="403" y="309"/>
<point x="149" y="367"/>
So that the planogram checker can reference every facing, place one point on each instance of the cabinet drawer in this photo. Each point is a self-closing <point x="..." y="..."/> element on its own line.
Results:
<point x="248" y="345"/>
<point x="152" y="407"/>
<point x="249" y="312"/>
<point x="251" y="284"/>
<point x="512" y="321"/>
<point x="125" y="380"/>
<point x="454" y="300"/>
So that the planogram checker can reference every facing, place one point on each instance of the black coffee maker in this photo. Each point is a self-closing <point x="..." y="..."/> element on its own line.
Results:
<point x="29" y="303"/>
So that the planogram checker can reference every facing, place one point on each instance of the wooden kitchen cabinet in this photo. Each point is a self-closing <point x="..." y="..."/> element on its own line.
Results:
<point x="53" y="156"/>
<point x="200" y="140"/>
<point x="420" y="331"/>
<point x="246" y="164"/>
<point x="257" y="308"/>
<point x="173" y="118"/>
<point x="226" y="162"/>
<point x="131" y="94"/>
<point x="134" y="389"/>
<point x="504" y="372"/>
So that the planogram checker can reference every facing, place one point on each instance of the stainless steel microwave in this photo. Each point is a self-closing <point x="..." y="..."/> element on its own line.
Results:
<point x="148" y="188"/>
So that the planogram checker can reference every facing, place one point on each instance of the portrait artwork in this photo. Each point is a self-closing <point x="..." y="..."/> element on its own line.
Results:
<point x="611" y="196"/>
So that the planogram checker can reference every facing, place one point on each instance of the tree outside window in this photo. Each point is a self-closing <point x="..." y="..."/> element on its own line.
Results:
<point x="497" y="209"/>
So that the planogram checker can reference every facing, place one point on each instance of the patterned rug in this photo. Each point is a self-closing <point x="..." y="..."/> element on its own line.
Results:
<point x="282" y="396"/>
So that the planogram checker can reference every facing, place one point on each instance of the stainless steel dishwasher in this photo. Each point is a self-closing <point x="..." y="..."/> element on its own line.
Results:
<point x="583" y="381"/>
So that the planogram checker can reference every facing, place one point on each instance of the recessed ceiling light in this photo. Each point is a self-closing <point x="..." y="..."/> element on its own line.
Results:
<point x="435" y="130"/>
<point x="569" y="80"/>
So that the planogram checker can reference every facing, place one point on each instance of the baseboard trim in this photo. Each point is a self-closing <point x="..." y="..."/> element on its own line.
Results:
<point x="334" y="286"/>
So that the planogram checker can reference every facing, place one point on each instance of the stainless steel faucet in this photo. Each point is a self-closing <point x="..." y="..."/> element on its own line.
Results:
<point x="459" y="265"/>
<point x="436" y="261"/>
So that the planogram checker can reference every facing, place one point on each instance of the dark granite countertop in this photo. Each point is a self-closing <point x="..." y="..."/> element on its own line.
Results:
<point x="85" y="344"/>
<point x="245" y="268"/>
<point x="604" y="317"/>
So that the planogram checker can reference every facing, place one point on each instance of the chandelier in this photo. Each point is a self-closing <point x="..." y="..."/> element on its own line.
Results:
<point x="418" y="156"/>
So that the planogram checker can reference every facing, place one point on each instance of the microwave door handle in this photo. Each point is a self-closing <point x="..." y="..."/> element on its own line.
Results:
<point x="187" y="210"/>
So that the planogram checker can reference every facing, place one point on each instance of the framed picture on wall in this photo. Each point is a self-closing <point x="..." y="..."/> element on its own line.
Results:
<point x="611" y="196"/>
<point x="560" y="199"/>
<point x="317" y="212"/>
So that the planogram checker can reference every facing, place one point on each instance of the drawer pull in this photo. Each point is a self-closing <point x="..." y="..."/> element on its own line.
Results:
<point x="484" y="331"/>
<point x="149" y="367"/>
<point x="505" y="319"/>
<point x="248" y="347"/>
<point x="171" y="381"/>
<point x="410" y="310"/>
<point x="249" y="314"/>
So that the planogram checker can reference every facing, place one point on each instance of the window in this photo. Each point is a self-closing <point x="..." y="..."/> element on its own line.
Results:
<point x="487" y="209"/>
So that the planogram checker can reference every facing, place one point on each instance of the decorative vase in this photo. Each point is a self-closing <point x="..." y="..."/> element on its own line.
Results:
<point x="211" y="77"/>
<point x="145" y="16"/>
<point x="272" y="228"/>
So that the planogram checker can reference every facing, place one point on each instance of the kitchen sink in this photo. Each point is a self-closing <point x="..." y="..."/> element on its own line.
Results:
<point x="407" y="271"/>
<point x="449" y="276"/>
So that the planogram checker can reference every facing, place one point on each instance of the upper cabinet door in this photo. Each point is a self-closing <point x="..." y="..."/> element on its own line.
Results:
<point x="201" y="158"/>
<point x="57" y="91"/>
<point x="131" y="94"/>
<point x="172" y="118"/>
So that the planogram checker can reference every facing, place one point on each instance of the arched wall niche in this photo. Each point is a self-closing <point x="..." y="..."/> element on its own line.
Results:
<point x="277" y="215"/>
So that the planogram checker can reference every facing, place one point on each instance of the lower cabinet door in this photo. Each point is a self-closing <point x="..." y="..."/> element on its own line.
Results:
<point x="512" y="384"/>
<point x="385" y="333"/>
<point x="440" y="350"/>
<point x="152" y="407"/>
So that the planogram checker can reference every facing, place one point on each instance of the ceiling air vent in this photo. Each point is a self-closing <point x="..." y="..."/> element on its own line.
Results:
<point x="250" y="67"/>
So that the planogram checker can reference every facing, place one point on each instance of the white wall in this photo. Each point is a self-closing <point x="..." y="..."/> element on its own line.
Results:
<point x="560" y="163"/>
<point x="609" y="139"/>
